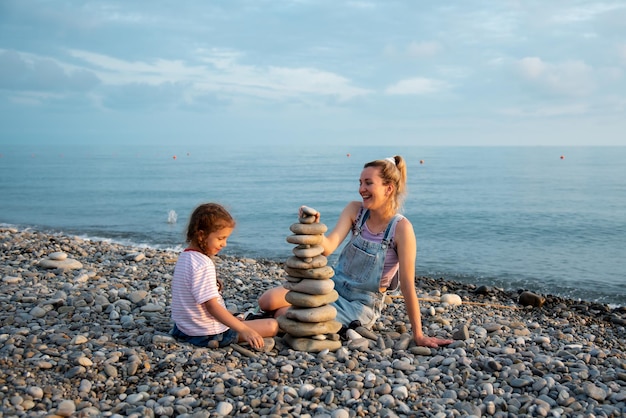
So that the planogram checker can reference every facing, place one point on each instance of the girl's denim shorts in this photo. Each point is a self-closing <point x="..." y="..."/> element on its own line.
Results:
<point x="225" y="338"/>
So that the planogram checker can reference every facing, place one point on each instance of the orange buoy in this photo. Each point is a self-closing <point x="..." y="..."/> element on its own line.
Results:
<point x="421" y="161"/>
<point x="562" y="157"/>
<point x="348" y="155"/>
<point x="174" y="157"/>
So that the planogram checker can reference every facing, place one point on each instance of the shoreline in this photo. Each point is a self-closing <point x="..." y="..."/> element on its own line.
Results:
<point x="93" y="340"/>
<point x="466" y="283"/>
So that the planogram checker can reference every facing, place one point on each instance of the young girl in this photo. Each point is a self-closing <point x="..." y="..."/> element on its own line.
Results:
<point x="198" y="309"/>
<point x="382" y="248"/>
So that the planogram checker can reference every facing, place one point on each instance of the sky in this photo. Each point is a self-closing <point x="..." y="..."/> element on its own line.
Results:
<point x="320" y="72"/>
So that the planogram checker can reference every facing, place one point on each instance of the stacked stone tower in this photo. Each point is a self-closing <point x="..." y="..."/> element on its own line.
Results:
<point x="309" y="324"/>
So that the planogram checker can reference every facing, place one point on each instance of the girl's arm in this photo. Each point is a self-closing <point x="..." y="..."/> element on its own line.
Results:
<point x="407" y="249"/>
<point x="225" y="317"/>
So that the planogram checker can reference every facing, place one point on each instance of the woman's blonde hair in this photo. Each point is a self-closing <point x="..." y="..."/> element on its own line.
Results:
<point x="393" y="171"/>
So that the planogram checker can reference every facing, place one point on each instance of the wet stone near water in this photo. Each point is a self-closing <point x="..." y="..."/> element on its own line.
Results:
<point x="94" y="341"/>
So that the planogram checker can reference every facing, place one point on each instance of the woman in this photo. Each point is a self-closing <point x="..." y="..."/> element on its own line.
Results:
<point x="382" y="245"/>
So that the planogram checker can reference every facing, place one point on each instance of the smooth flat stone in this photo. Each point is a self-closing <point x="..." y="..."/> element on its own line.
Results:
<point x="307" y="329"/>
<point x="299" y="263"/>
<point x="58" y="256"/>
<point x="11" y="279"/>
<point x="67" y="264"/>
<point x="308" y="211"/>
<point x="306" y="219"/>
<point x="268" y="345"/>
<point x="320" y="314"/>
<point x="305" y="239"/>
<point x="308" y="229"/>
<point x="461" y="333"/>
<point x="308" y="251"/>
<point x="304" y="300"/>
<point x="325" y="272"/>
<point x="310" y="345"/>
<point x="293" y="279"/>
<point x="531" y="299"/>
<point x="367" y="333"/>
<point x="135" y="256"/>
<point x="311" y="286"/>
<point x="451" y="299"/>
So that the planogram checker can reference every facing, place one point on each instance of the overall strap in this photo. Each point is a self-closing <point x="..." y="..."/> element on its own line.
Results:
<point x="361" y="217"/>
<point x="391" y="227"/>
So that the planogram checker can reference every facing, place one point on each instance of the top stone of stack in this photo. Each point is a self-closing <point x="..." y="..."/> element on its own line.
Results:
<point x="308" y="215"/>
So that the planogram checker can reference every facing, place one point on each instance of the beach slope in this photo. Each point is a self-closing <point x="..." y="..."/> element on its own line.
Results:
<point x="86" y="334"/>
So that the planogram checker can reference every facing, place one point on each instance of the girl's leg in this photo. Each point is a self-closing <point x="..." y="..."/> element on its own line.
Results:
<point x="267" y="327"/>
<point x="274" y="299"/>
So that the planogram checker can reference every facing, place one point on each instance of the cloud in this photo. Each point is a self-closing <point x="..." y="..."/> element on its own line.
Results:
<point x="310" y="81"/>
<point x="414" y="50"/>
<point x="366" y="5"/>
<point x="141" y="95"/>
<point x="586" y="12"/>
<point x="168" y="82"/>
<point x="569" y="78"/>
<point x="31" y="73"/>
<point x="547" y="111"/>
<point x="286" y="62"/>
<point x="115" y="71"/>
<point x="12" y="68"/>
<point x="423" y="49"/>
<point x="417" y="86"/>
<point x="220" y="71"/>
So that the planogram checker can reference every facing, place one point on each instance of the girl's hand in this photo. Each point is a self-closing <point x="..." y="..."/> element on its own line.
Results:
<point x="432" y="342"/>
<point x="252" y="337"/>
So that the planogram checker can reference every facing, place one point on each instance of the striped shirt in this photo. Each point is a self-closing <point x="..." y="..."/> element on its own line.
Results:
<point x="193" y="284"/>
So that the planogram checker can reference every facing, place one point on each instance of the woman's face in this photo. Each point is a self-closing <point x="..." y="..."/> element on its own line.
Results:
<point x="374" y="193"/>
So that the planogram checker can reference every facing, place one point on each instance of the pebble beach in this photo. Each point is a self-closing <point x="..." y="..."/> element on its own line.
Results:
<point x="84" y="331"/>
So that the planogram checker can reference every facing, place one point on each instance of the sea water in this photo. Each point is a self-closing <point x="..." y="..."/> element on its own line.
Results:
<point x="551" y="220"/>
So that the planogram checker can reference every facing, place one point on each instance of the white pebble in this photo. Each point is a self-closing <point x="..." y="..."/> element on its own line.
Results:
<point x="84" y="361"/>
<point x="79" y="339"/>
<point x="340" y="413"/>
<point x="35" y="391"/>
<point x="11" y="279"/>
<point x="38" y="312"/>
<point x="451" y="299"/>
<point x="66" y="408"/>
<point x="58" y="256"/>
<point x="224" y="408"/>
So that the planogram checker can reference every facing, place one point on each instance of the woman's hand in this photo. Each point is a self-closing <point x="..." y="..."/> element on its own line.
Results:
<point x="431" y="342"/>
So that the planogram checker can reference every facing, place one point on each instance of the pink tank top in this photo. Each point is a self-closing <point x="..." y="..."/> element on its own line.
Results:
<point x="391" y="259"/>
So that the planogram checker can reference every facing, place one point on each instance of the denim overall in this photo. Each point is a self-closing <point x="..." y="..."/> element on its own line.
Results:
<point x="358" y="273"/>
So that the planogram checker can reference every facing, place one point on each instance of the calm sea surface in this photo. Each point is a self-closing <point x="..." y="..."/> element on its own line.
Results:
<point x="501" y="216"/>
